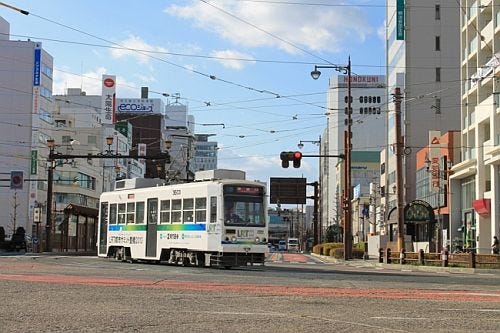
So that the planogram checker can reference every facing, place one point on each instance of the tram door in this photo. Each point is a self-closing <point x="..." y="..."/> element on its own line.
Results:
<point x="103" y="229"/>
<point x="152" y="228"/>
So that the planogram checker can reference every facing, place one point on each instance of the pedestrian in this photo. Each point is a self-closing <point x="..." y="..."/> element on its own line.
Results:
<point x="496" y="245"/>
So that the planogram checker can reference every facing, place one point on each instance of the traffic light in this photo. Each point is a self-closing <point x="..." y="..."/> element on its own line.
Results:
<point x="285" y="158"/>
<point x="297" y="157"/>
<point x="16" y="180"/>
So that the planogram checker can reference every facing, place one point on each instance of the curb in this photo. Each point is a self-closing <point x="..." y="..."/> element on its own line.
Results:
<point x="437" y="269"/>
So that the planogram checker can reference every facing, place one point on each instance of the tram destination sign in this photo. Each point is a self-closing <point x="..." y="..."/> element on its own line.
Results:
<point x="288" y="190"/>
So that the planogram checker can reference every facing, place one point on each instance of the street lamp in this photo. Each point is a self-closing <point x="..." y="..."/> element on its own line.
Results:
<point x="301" y="143"/>
<point x="347" y="197"/>
<point x="50" y="177"/>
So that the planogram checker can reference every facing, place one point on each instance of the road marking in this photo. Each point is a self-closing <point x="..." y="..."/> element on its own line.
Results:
<point x="399" y="318"/>
<point x="476" y="310"/>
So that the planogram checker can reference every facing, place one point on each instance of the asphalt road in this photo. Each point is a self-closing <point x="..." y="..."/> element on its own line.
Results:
<point x="89" y="294"/>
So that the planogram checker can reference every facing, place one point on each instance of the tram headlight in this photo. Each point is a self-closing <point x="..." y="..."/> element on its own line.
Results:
<point x="233" y="239"/>
<point x="257" y="240"/>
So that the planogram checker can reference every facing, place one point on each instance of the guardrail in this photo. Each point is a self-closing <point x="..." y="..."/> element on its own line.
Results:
<point x="443" y="259"/>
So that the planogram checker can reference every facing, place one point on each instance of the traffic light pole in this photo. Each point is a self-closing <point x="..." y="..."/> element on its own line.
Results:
<point x="53" y="156"/>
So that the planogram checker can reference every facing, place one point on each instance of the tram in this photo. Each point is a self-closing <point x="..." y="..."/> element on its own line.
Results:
<point x="218" y="220"/>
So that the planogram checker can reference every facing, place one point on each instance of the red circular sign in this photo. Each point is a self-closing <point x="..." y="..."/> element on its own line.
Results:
<point x="109" y="82"/>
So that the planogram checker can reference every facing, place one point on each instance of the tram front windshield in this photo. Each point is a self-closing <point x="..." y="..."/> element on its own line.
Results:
<point x="244" y="210"/>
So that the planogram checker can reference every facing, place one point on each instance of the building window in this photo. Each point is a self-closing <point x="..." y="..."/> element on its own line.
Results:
<point x="438" y="44"/>
<point x="438" y="74"/>
<point x="438" y="12"/>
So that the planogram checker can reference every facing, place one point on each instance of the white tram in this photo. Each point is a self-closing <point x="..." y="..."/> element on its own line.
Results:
<point x="219" y="220"/>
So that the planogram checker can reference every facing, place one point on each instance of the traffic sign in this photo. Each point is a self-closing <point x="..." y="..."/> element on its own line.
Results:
<point x="16" y="180"/>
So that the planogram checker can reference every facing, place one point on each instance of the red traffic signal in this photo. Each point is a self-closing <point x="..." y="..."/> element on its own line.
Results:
<point x="297" y="157"/>
<point x="287" y="156"/>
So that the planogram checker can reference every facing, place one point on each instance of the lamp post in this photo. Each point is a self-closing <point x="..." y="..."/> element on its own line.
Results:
<point x="347" y="197"/>
<point x="50" y="178"/>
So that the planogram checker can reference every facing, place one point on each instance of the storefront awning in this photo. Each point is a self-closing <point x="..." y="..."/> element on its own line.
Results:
<point x="482" y="206"/>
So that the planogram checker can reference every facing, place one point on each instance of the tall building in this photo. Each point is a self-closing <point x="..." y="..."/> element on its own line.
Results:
<point x="478" y="174"/>
<point x="369" y="131"/>
<point x="26" y="103"/>
<point x="423" y="58"/>
<point x="205" y="157"/>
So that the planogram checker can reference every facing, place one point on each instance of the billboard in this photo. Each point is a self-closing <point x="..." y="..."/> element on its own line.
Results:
<point x="108" y="99"/>
<point x="139" y="105"/>
<point x="288" y="190"/>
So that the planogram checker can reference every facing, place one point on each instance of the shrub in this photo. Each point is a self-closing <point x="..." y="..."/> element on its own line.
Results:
<point x="328" y="246"/>
<point x="317" y="249"/>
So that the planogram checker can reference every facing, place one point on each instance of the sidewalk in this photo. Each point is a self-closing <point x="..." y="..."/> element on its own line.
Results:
<point x="406" y="268"/>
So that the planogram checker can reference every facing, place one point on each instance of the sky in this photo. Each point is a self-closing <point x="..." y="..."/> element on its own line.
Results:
<point x="242" y="63"/>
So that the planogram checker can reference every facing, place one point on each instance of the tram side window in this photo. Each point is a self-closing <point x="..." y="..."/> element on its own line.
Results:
<point x="121" y="213"/>
<point x="213" y="209"/>
<point x="187" y="206"/>
<point x="139" y="212"/>
<point x="165" y="211"/>
<point x="200" y="210"/>
<point x="130" y="212"/>
<point x="112" y="214"/>
<point x="176" y="211"/>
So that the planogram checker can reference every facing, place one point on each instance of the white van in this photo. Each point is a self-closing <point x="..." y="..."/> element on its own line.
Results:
<point x="282" y="245"/>
<point x="292" y="245"/>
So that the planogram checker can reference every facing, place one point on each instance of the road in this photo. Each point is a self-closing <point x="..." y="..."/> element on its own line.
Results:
<point x="292" y="293"/>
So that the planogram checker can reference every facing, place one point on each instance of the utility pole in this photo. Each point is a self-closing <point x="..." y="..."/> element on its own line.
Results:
<point x="347" y="171"/>
<point x="399" y="168"/>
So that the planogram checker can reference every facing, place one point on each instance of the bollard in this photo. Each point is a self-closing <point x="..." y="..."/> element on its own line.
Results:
<point x="444" y="258"/>
<point x="402" y="256"/>
<point x="380" y="255"/>
<point x="365" y="251"/>
<point x="387" y="256"/>
<point x="472" y="259"/>
<point x="421" y="257"/>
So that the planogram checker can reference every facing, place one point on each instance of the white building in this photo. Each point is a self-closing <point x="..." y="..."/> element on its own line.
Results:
<point x="478" y="174"/>
<point x="369" y="108"/>
<point x="26" y="105"/>
<point x="423" y="58"/>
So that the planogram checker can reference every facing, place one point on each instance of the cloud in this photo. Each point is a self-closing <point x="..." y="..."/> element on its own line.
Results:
<point x="381" y="31"/>
<point x="136" y="43"/>
<point x="315" y="28"/>
<point x="230" y="58"/>
<point x="90" y="82"/>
